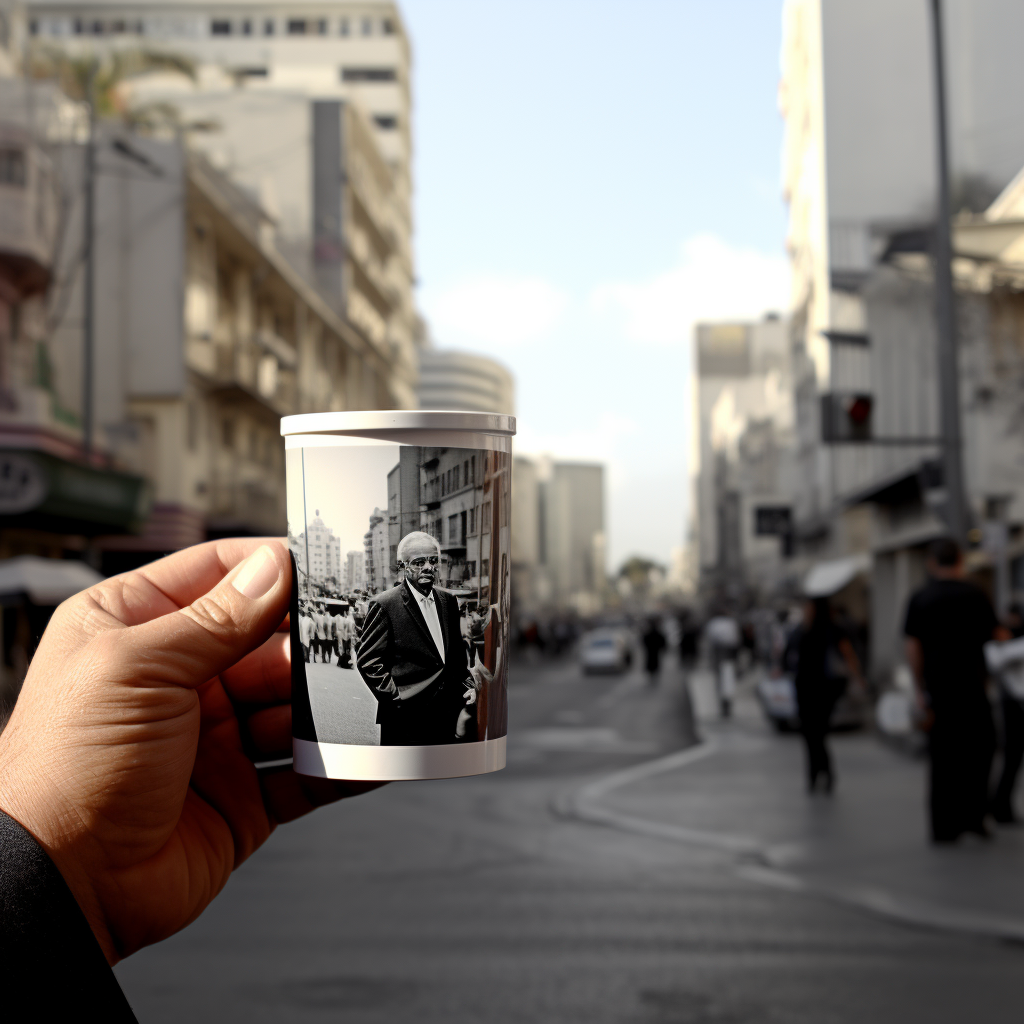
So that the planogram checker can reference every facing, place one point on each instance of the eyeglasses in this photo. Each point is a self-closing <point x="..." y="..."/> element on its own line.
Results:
<point x="418" y="563"/>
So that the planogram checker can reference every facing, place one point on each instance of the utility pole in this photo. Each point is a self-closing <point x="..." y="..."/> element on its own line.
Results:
<point x="957" y="511"/>
<point x="89" y="274"/>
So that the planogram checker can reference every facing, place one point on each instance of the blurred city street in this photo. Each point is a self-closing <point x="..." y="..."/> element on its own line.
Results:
<point x="712" y="891"/>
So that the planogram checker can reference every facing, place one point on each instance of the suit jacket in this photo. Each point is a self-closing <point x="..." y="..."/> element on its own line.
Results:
<point x="395" y="649"/>
<point x="53" y="967"/>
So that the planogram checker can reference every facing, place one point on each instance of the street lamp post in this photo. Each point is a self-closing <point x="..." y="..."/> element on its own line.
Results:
<point x="89" y="271"/>
<point x="957" y="511"/>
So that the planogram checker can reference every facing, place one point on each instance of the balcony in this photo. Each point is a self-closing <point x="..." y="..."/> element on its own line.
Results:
<point x="262" y="368"/>
<point x="28" y="212"/>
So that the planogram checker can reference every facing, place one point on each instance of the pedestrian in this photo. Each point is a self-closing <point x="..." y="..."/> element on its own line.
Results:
<point x="1011" y="688"/>
<point x="322" y="629"/>
<point x="689" y="640"/>
<point x="654" y="643"/>
<point x="948" y="623"/>
<point x="305" y="632"/>
<point x="723" y="636"/>
<point x="824" y="661"/>
<point x="346" y="637"/>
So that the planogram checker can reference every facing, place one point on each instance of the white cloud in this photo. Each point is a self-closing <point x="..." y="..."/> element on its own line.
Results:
<point x="595" y="444"/>
<point x="712" y="281"/>
<point x="493" y="312"/>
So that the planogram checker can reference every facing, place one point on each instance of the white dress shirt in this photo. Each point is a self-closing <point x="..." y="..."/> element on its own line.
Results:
<point x="428" y="608"/>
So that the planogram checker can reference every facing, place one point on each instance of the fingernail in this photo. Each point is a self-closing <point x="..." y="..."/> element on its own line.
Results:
<point x="259" y="573"/>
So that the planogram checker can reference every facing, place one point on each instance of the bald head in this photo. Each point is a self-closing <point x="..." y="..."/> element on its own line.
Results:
<point x="418" y="557"/>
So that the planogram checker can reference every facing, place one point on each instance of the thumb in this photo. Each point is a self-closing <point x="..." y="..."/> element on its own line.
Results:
<point x="189" y="646"/>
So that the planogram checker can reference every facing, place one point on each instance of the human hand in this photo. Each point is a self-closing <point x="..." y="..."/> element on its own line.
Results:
<point x="126" y="754"/>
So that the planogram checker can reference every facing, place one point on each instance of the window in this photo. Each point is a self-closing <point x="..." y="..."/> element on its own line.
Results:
<point x="368" y="75"/>
<point x="268" y="27"/>
<point x="485" y="517"/>
<point x="472" y="520"/>
<point x="448" y="481"/>
<point x="453" y="529"/>
<point x="12" y="167"/>
<point x="367" y="26"/>
<point x="296" y="26"/>
<point x="79" y="27"/>
<point x="247" y="27"/>
<point x="252" y="72"/>
<point x="385" y="121"/>
<point x="219" y="27"/>
<point x="485" y="567"/>
<point x="343" y="28"/>
<point x="33" y="27"/>
<point x="472" y="469"/>
<point x="387" y="26"/>
<point x="455" y="478"/>
<point x="321" y="27"/>
<point x="465" y="473"/>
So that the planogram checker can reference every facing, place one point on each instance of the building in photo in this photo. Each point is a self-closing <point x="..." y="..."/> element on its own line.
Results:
<point x="353" y="572"/>
<point x="318" y="551"/>
<point x="378" y="574"/>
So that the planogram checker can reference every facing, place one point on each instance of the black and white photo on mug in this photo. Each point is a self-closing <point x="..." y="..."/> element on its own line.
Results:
<point x="402" y="598"/>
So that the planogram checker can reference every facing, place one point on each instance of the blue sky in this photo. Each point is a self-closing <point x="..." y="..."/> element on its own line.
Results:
<point x="590" y="179"/>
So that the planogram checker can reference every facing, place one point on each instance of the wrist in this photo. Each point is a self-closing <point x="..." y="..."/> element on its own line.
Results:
<point x="30" y="797"/>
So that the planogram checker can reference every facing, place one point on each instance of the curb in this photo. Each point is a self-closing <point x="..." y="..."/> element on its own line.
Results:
<point x="754" y="857"/>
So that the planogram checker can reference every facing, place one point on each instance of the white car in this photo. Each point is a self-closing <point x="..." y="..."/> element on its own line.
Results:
<point x="605" y="651"/>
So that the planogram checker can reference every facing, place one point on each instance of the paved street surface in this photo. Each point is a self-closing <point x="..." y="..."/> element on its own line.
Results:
<point x="343" y="708"/>
<point x="493" y="899"/>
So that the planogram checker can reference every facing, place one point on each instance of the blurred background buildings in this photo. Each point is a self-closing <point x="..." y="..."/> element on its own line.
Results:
<point x="819" y="449"/>
<point x="222" y="236"/>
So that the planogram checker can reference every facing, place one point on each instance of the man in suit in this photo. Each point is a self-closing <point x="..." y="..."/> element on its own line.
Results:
<point x="410" y="652"/>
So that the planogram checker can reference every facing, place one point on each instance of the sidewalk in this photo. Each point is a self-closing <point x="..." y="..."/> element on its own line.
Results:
<point x="742" y="791"/>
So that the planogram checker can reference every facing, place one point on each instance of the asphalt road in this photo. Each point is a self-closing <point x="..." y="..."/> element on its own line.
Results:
<point x="481" y="900"/>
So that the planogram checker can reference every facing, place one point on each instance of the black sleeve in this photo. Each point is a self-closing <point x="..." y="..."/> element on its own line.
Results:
<point x="53" y="967"/>
<point x="373" y="656"/>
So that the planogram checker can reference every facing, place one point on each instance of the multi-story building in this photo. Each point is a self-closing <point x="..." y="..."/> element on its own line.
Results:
<point x="558" y="539"/>
<point x="353" y="572"/>
<point x="742" y="466"/>
<point x="308" y="110"/>
<point x="457" y="511"/>
<point x="204" y="337"/>
<point x="462" y="380"/>
<point x="859" y="175"/>
<point x="859" y="172"/>
<point x="318" y="554"/>
<point x="378" y="571"/>
<point x="403" y="501"/>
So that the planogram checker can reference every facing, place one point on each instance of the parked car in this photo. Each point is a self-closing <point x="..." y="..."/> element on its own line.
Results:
<point x="777" y="697"/>
<point x="605" y="651"/>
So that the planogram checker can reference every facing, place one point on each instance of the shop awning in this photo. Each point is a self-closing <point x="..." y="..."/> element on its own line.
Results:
<point x="828" y="578"/>
<point x="44" y="581"/>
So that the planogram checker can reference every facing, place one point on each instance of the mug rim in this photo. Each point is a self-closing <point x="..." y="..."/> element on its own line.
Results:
<point x="356" y="422"/>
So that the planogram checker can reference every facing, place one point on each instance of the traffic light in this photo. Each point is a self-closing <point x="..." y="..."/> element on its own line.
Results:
<point x="846" y="417"/>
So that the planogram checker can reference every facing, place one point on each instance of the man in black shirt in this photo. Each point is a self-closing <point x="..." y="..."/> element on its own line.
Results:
<point x="948" y="623"/>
